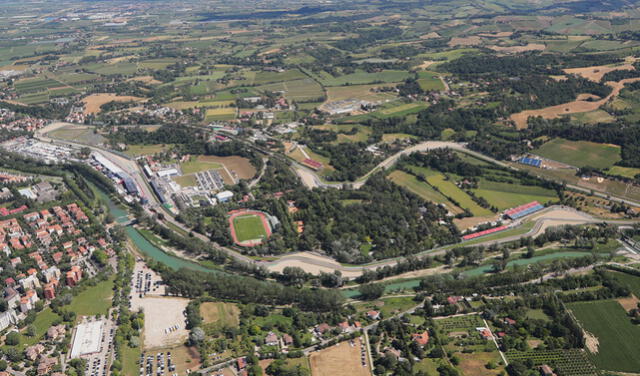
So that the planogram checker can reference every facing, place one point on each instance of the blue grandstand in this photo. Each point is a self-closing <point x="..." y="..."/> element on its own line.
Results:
<point x="535" y="162"/>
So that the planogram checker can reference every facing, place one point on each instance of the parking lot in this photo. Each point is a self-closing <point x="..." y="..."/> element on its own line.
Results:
<point x="98" y="363"/>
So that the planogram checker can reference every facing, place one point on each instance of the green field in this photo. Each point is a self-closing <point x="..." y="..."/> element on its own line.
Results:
<point x="580" y="153"/>
<point x="421" y="189"/>
<point x="362" y="77"/>
<point x="631" y="281"/>
<point x="94" y="300"/>
<point x="196" y="164"/>
<point x="618" y="338"/>
<point x="220" y="314"/>
<point x="505" y="195"/>
<point x="627" y="172"/>
<point x="249" y="227"/>
<point x="429" y="81"/>
<point x="137" y="150"/>
<point x="449" y="189"/>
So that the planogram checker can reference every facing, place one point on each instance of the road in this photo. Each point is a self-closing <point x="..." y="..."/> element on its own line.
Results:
<point x="310" y="262"/>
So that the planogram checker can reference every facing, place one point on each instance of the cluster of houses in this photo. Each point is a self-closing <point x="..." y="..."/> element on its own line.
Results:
<point x="9" y="120"/>
<point x="36" y="254"/>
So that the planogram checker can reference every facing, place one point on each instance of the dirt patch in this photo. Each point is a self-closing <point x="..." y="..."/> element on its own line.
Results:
<point x="596" y="73"/>
<point x="534" y="343"/>
<point x="426" y="64"/>
<point x="501" y="34"/>
<point x="430" y="35"/>
<point x="577" y="106"/>
<point x="629" y="303"/>
<point x="457" y="334"/>
<point x="474" y="363"/>
<point x="93" y="102"/>
<point x="146" y="80"/>
<point x="586" y="97"/>
<point x="466" y="223"/>
<point x="518" y="49"/>
<point x="341" y="360"/>
<point x="466" y="41"/>
<point x="591" y="342"/>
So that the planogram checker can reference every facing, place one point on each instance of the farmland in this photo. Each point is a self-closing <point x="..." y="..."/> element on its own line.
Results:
<point x="580" y="153"/>
<point x="222" y="314"/>
<point x="616" y="338"/>
<point x="505" y="195"/>
<point x="339" y="360"/>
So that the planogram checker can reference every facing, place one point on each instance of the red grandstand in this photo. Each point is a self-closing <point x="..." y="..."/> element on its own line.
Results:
<point x="483" y="233"/>
<point x="313" y="164"/>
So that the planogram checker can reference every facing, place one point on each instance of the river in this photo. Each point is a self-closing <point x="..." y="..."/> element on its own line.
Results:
<point x="122" y="216"/>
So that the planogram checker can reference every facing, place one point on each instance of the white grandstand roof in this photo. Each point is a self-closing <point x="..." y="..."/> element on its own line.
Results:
<point x="88" y="338"/>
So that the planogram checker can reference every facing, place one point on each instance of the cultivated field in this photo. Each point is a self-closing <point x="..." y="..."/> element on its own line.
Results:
<point x="219" y="313"/>
<point x="615" y="340"/>
<point x="580" y="153"/>
<point x="339" y="360"/>
<point x="505" y="195"/>
<point x="93" y="102"/>
<point x="577" y="106"/>
<point x="596" y="73"/>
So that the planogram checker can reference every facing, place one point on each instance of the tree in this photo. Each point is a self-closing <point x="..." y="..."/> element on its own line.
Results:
<point x="13" y="339"/>
<point x="371" y="291"/>
<point x="196" y="336"/>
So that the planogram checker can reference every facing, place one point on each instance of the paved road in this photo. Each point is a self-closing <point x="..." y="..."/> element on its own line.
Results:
<point x="131" y="167"/>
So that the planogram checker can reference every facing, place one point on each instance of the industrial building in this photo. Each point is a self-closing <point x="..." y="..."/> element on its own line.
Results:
<point x="87" y="339"/>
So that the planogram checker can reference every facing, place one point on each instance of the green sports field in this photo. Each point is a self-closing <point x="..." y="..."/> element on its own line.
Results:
<point x="249" y="227"/>
<point x="618" y="338"/>
<point x="580" y="153"/>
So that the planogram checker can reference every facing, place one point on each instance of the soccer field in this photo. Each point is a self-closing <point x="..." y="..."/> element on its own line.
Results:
<point x="249" y="227"/>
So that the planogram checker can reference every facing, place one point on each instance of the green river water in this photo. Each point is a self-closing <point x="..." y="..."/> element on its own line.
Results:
<point x="150" y="250"/>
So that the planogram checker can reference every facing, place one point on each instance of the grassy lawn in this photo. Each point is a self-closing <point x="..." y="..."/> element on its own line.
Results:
<point x="224" y="314"/>
<point x="186" y="180"/>
<point x="95" y="300"/>
<point x="421" y="189"/>
<point x="137" y="150"/>
<point x="222" y="113"/>
<point x="628" y="172"/>
<point x="429" y="81"/>
<point x="618" y="338"/>
<point x="505" y="195"/>
<point x="631" y="281"/>
<point x="249" y="227"/>
<point x="43" y="322"/>
<point x="580" y="153"/>
<point x="455" y="193"/>
<point x="198" y="164"/>
<point x="130" y="357"/>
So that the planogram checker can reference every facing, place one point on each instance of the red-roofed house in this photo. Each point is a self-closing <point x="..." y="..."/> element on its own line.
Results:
<point x="421" y="338"/>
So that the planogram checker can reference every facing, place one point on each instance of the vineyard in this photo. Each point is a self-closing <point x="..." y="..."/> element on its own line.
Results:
<point x="572" y="362"/>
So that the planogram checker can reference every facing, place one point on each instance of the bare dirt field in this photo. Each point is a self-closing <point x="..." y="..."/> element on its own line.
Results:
<point x="465" y="223"/>
<point x="93" y="102"/>
<point x="629" y="303"/>
<point x="238" y="166"/>
<point x="467" y="41"/>
<point x="160" y="314"/>
<point x="146" y="80"/>
<point x="339" y="360"/>
<point x="577" y="106"/>
<point x="517" y="49"/>
<point x="595" y="73"/>
<point x="324" y="264"/>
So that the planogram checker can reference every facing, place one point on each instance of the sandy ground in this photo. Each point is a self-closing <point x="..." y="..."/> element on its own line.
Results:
<point x="595" y="73"/>
<point x="93" y="102"/>
<point x="629" y="303"/>
<point x="577" y="106"/>
<point x="297" y="259"/>
<point x="516" y="49"/>
<point x="339" y="360"/>
<point x="160" y="312"/>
